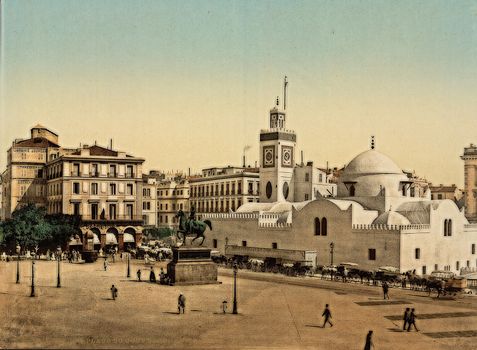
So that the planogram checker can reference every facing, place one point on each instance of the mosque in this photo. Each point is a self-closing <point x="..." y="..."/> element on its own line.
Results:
<point x="376" y="217"/>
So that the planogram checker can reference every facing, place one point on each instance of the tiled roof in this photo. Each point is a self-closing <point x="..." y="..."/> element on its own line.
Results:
<point x="40" y="142"/>
<point x="96" y="150"/>
<point x="443" y="188"/>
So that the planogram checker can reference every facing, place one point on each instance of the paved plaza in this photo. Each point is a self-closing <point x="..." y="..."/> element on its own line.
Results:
<point x="274" y="312"/>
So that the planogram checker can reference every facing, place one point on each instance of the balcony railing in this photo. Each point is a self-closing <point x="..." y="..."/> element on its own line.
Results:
<point x="108" y="218"/>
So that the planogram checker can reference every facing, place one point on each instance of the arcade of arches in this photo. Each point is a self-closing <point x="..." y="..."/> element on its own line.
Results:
<point x="122" y="237"/>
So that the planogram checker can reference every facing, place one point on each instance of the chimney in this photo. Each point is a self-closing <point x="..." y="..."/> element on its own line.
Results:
<point x="302" y="158"/>
<point x="111" y="144"/>
<point x="244" y="161"/>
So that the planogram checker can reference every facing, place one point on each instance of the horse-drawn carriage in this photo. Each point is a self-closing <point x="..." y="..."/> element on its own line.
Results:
<point x="445" y="282"/>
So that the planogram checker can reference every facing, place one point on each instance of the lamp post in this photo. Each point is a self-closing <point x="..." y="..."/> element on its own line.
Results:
<point x="32" y="278"/>
<point x="18" y="263"/>
<point x="129" y="267"/>
<point x="332" y="246"/>
<point x="58" y="280"/>
<point x="234" y="311"/>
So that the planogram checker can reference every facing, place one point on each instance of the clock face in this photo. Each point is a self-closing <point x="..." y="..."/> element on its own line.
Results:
<point x="287" y="156"/>
<point x="268" y="156"/>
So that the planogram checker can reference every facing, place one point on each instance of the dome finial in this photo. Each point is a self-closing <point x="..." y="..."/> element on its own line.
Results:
<point x="372" y="142"/>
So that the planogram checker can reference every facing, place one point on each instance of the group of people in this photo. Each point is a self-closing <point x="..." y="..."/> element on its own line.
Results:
<point x="163" y="277"/>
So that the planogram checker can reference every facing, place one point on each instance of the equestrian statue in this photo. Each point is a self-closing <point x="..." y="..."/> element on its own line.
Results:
<point x="191" y="226"/>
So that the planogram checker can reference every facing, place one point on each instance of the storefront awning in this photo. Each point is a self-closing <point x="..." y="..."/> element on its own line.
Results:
<point x="111" y="238"/>
<point x="96" y="239"/>
<point x="128" y="238"/>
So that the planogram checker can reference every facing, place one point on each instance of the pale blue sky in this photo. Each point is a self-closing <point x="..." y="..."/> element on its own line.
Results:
<point x="189" y="83"/>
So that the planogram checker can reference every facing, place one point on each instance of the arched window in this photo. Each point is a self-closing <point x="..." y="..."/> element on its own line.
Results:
<point x="449" y="227"/>
<point x="324" y="227"/>
<point x="404" y="191"/>
<point x="317" y="227"/>
<point x="445" y="227"/>
<point x="351" y="191"/>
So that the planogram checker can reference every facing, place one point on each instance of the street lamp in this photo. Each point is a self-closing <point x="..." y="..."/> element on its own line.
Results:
<point x="332" y="246"/>
<point x="18" y="263"/>
<point x="129" y="267"/>
<point x="32" y="278"/>
<point x="235" y="267"/>
<point x="58" y="280"/>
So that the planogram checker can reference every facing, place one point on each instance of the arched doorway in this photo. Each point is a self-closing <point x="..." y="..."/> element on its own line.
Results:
<point x="129" y="238"/>
<point x="111" y="239"/>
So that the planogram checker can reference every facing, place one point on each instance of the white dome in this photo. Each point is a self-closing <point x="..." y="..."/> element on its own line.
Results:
<point x="371" y="162"/>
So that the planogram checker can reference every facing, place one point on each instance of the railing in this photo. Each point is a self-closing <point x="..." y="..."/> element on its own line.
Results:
<point x="384" y="227"/>
<point x="231" y="216"/>
<point x="116" y="218"/>
<point x="274" y="225"/>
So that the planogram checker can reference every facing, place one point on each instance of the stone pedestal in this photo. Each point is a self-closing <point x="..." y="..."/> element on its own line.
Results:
<point x="90" y="256"/>
<point x="192" y="265"/>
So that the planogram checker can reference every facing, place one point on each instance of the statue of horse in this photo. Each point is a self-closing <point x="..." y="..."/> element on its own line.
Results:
<point x="191" y="227"/>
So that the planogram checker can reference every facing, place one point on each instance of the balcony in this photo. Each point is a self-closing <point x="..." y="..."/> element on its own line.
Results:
<point x="119" y="218"/>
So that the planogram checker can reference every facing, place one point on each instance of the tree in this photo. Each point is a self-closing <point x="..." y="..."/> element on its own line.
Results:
<point x="159" y="232"/>
<point x="30" y="226"/>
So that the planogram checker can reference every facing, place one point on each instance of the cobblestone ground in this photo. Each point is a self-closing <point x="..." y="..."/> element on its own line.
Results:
<point x="274" y="312"/>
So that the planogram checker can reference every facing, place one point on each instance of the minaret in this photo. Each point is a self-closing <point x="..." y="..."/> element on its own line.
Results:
<point x="277" y="156"/>
<point x="470" y="182"/>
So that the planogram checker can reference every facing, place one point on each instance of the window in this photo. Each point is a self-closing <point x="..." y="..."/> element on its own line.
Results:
<point x="317" y="227"/>
<point x="439" y="196"/>
<point x="404" y="191"/>
<point x="112" y="189"/>
<point x="457" y="265"/>
<point x="473" y="248"/>
<point x="371" y="254"/>
<point x="244" y="243"/>
<point x="94" y="188"/>
<point x="76" y="188"/>
<point x="306" y="196"/>
<point x="76" y="208"/>
<point x="129" y="211"/>
<point x="239" y="188"/>
<point x="307" y="177"/>
<point x="413" y="192"/>
<point x="320" y="178"/>
<point x="112" y="212"/>
<point x="268" y="189"/>
<point x="76" y="169"/>
<point x="274" y="245"/>
<point x="129" y="171"/>
<point x="94" y="170"/>
<point x="94" y="211"/>
<point x="424" y="270"/>
<point x="351" y="191"/>
<point x="129" y="189"/>
<point x="166" y="218"/>
<point x="468" y="263"/>
<point x="449" y="227"/>
<point x="324" y="227"/>
<point x="417" y="253"/>
<point x="214" y="243"/>
<point x="112" y="170"/>
<point x="436" y="267"/>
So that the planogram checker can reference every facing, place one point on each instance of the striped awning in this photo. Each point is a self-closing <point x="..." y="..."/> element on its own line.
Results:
<point x="111" y="238"/>
<point x="128" y="238"/>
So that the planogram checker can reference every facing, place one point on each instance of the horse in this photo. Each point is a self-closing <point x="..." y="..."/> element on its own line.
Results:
<point x="191" y="227"/>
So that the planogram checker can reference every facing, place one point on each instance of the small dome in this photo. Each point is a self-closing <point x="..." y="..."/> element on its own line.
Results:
<point x="391" y="218"/>
<point x="371" y="162"/>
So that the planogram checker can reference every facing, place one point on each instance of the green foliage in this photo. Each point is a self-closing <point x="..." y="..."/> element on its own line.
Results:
<point x="30" y="226"/>
<point x="159" y="232"/>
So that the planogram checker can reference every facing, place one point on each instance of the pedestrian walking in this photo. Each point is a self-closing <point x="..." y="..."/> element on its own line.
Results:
<point x="152" y="276"/>
<point x="224" y="306"/>
<point x="327" y="315"/>
<point x="385" y="290"/>
<point x="369" y="341"/>
<point x="412" y="321"/>
<point x="181" y="303"/>
<point x="114" y="292"/>
<point x="105" y="264"/>
<point x="405" y="318"/>
<point x="138" y="275"/>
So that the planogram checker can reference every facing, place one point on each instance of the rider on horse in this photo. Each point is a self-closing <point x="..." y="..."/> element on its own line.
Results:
<point x="192" y="220"/>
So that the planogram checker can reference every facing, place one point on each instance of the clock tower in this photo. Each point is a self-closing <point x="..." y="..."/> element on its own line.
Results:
<point x="277" y="158"/>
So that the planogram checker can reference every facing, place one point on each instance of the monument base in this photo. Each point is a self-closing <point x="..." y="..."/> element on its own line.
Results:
<point x="192" y="265"/>
<point x="90" y="256"/>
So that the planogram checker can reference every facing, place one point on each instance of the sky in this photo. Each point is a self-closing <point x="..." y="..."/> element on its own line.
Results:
<point x="190" y="83"/>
